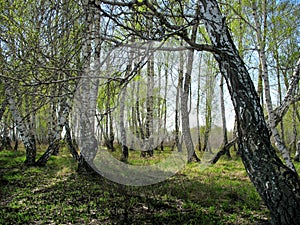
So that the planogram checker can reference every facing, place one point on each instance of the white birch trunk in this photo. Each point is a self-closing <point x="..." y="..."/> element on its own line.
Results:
<point x="277" y="184"/>
<point x="89" y="89"/>
<point x="23" y="130"/>
<point x="263" y="62"/>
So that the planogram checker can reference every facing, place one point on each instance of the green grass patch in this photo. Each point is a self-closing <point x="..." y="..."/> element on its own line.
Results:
<point x="57" y="194"/>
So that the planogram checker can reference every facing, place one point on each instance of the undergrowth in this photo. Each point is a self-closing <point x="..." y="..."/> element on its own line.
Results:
<point x="57" y="194"/>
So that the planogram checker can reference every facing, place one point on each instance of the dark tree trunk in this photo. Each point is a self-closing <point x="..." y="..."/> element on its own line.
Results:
<point x="50" y="150"/>
<point x="70" y="142"/>
<point x="277" y="184"/>
<point x="125" y="152"/>
<point x="15" y="139"/>
<point x="297" y="152"/>
<point x="5" y="140"/>
<point x="3" y="107"/>
<point x="224" y="150"/>
<point x="177" y="139"/>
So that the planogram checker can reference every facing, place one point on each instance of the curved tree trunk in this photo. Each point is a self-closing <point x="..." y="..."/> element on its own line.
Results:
<point x="277" y="184"/>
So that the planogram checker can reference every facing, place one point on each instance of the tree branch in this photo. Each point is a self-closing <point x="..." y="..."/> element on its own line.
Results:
<point x="289" y="98"/>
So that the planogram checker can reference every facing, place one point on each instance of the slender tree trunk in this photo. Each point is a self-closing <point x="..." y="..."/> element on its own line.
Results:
<point x="125" y="152"/>
<point x="297" y="152"/>
<point x="133" y="119"/>
<point x="26" y="136"/>
<point x="70" y="142"/>
<point x="5" y="139"/>
<point x="109" y="132"/>
<point x="260" y="90"/>
<point x="185" y="112"/>
<point x="263" y="62"/>
<point x="288" y="99"/>
<point x="53" y="147"/>
<point x="296" y="144"/>
<point x="132" y="122"/>
<point x="139" y="131"/>
<point x="225" y="146"/>
<point x="277" y="184"/>
<point x="15" y="139"/>
<point x="279" y="93"/>
<point x="177" y="138"/>
<point x="165" y="109"/>
<point x="186" y="131"/>
<point x="3" y="107"/>
<point x="210" y="80"/>
<point x="149" y="107"/>
<point x="198" y="106"/>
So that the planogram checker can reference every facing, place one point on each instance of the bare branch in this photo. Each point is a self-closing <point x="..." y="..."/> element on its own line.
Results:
<point x="289" y="98"/>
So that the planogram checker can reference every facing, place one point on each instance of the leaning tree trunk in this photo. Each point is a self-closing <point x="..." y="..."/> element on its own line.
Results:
<point x="277" y="184"/>
<point x="53" y="147"/>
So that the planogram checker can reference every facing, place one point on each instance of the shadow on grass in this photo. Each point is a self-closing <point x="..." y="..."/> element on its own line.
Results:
<point x="56" y="194"/>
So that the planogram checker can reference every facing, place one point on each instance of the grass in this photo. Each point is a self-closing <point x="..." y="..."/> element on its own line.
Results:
<point x="57" y="194"/>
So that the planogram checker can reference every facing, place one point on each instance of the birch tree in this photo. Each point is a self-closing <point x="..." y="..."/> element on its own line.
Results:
<point x="277" y="184"/>
<point x="89" y="85"/>
<point x="261" y="40"/>
<point x="185" y="98"/>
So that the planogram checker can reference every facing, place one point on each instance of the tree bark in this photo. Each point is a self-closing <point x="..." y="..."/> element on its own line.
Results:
<point x="297" y="152"/>
<point x="224" y="149"/>
<point x="289" y="97"/>
<point x="149" y="109"/>
<point x="3" y="107"/>
<point x="5" y="139"/>
<point x="125" y="153"/>
<point x="277" y="184"/>
<point x="26" y="136"/>
<point x="263" y="62"/>
<point x="89" y="89"/>
<point x="198" y="105"/>
<point x="70" y="142"/>
<point x="225" y="145"/>
<point x="53" y="147"/>
<point x="186" y="131"/>
<point x="177" y="139"/>
<point x="208" y="106"/>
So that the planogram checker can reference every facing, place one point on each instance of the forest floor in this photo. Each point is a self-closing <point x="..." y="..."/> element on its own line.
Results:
<point x="57" y="194"/>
